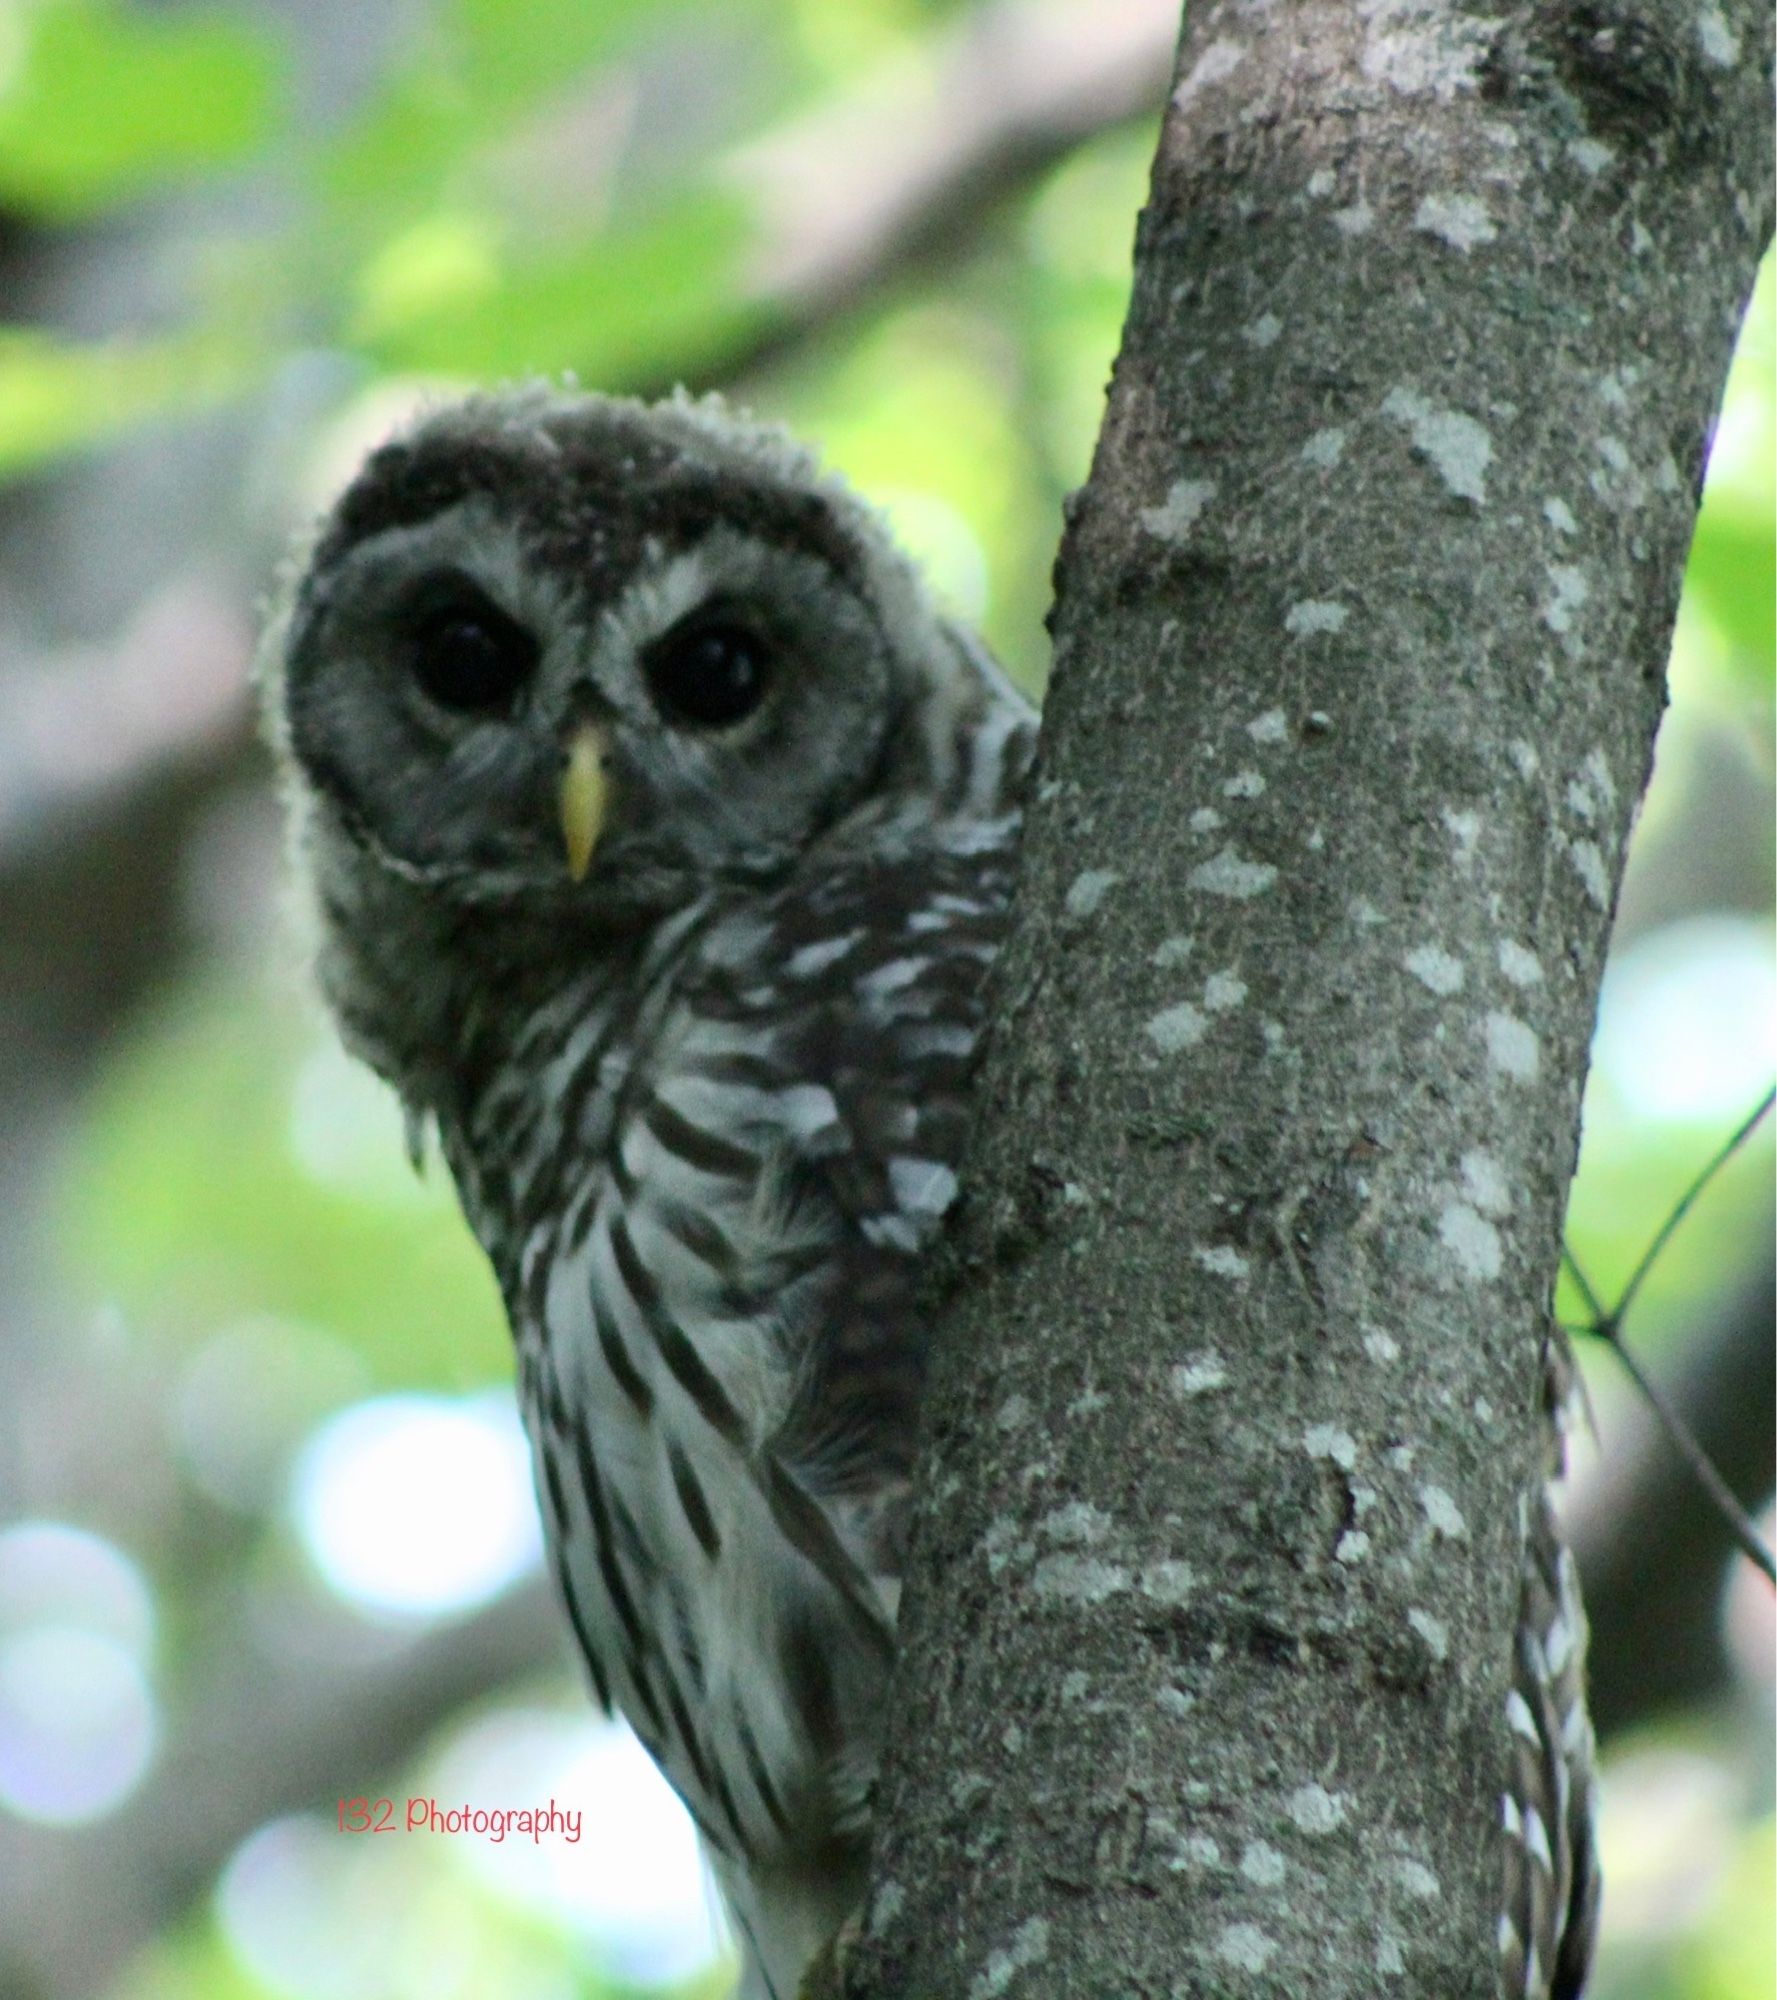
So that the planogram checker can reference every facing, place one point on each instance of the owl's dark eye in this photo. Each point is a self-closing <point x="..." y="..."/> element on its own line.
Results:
<point x="712" y="670"/>
<point x="466" y="654"/>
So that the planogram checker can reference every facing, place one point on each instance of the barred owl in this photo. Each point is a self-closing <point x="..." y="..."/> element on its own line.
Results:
<point x="662" y="835"/>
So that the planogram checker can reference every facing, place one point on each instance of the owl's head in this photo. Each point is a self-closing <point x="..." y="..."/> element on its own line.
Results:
<point x="570" y="652"/>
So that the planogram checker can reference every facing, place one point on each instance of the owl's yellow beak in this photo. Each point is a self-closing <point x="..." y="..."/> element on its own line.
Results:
<point x="582" y="797"/>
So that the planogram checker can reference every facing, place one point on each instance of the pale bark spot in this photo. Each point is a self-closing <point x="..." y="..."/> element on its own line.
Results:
<point x="1719" y="43"/>
<point x="1174" y="518"/>
<point x="1417" y="1880"/>
<point x="1075" y="1523"/>
<point x="1461" y="220"/>
<point x="1176" y="1028"/>
<point x="1089" y="889"/>
<point x="1263" y="1864"/>
<point x="1421" y="52"/>
<point x="1464" y="829"/>
<point x="1246" y="1948"/>
<point x="1029" y="1946"/>
<point x="1314" y="615"/>
<point x="1202" y="1373"/>
<point x="1456" y="447"/>
<point x="1328" y="1441"/>
<point x="1512" y="1047"/>
<point x="1435" y="968"/>
<point x="1472" y="1241"/>
<point x="1588" y="861"/>
<point x="1569" y="591"/>
<point x="1433" y="1631"/>
<point x="1078" y="1579"/>
<point x="1222" y="58"/>
<point x="1315" y="1810"/>
<point x="1443" y="1513"/>
<point x="1230" y="874"/>
<point x="1223" y="1260"/>
<point x="1520" y="966"/>
<point x="1168" y="1582"/>
<point x="1484" y="1181"/>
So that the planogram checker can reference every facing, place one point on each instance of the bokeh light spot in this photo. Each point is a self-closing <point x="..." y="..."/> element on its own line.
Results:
<point x="634" y="1886"/>
<point x="281" y="1901"/>
<point x="52" y="1574"/>
<point x="1687" y="1027"/>
<point x="419" y="1504"/>
<point x="77" y="1723"/>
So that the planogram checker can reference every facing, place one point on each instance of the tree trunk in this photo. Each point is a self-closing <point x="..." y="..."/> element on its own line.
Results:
<point x="1359" y="643"/>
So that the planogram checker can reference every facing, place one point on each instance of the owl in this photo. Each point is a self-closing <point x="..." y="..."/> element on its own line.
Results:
<point x="661" y="834"/>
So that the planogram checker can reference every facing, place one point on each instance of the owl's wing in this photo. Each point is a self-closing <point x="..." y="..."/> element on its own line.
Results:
<point x="868" y="996"/>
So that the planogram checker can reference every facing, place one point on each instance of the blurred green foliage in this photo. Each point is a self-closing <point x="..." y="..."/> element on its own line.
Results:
<point x="106" y="104"/>
<point x="280" y="1191"/>
<point x="231" y="1171"/>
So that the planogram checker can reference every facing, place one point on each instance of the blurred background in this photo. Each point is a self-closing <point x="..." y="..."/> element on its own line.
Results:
<point x="266" y="1534"/>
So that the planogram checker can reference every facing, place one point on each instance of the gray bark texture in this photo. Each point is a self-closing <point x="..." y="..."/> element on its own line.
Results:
<point x="1359" y="647"/>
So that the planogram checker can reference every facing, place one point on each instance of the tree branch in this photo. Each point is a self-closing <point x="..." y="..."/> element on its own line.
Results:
<point x="908" y="168"/>
<point x="1360" y="628"/>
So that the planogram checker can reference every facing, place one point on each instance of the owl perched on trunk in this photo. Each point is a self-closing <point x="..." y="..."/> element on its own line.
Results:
<point x="662" y="836"/>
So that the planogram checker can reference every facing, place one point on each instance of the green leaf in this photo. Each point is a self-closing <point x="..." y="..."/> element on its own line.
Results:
<point x="1733" y="571"/>
<point x="615" y="309"/>
<point x="107" y="103"/>
<point x="56" y="396"/>
<point x="484" y="62"/>
<point x="517" y="49"/>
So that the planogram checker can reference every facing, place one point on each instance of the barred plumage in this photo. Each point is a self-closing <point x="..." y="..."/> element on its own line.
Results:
<point x="700" y="1059"/>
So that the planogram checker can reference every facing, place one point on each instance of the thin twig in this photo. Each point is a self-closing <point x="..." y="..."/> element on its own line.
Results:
<point x="1608" y="1327"/>
<point x="1593" y="1304"/>
<point x="1683" y="1208"/>
<point x="1701" y="1465"/>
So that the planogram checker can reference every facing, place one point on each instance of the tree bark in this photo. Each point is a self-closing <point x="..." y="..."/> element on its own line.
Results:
<point x="1360" y="636"/>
